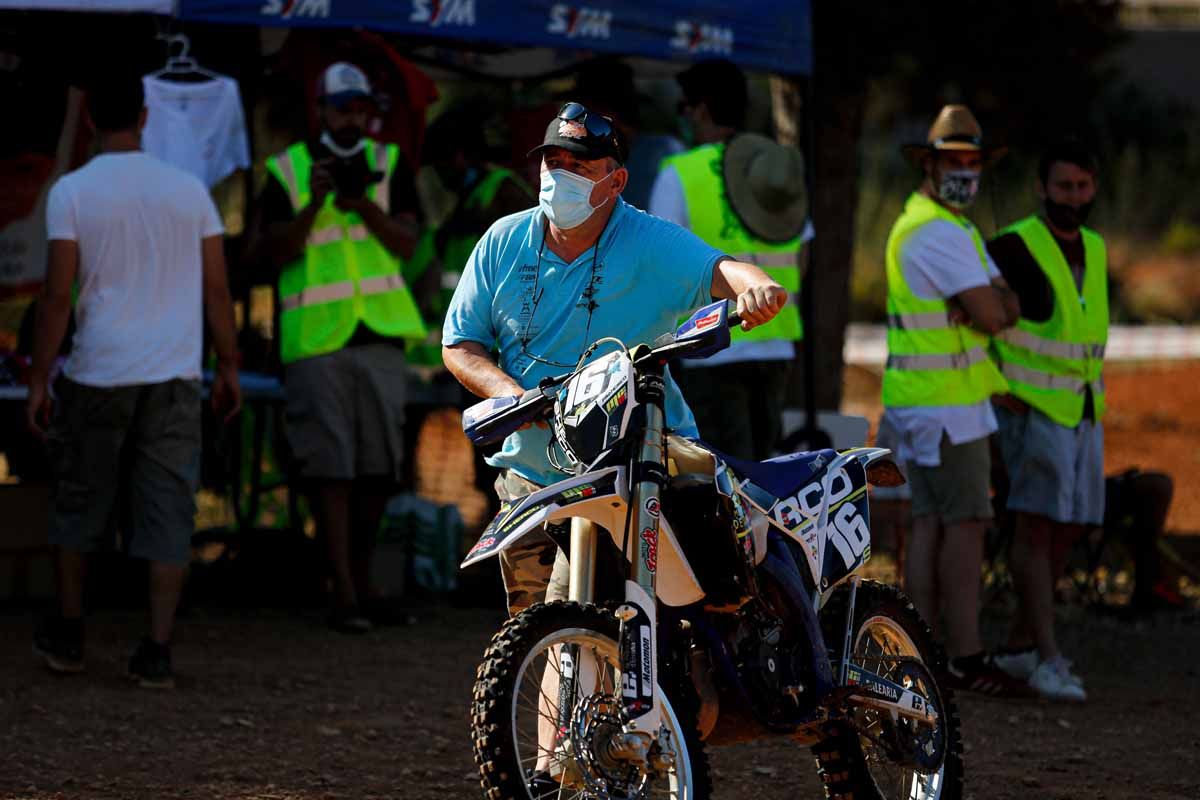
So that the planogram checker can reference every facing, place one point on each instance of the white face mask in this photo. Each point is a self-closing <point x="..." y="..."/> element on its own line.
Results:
<point x="566" y="198"/>
<point x="339" y="151"/>
<point x="958" y="187"/>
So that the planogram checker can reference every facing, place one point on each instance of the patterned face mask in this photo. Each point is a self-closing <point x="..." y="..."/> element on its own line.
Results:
<point x="958" y="187"/>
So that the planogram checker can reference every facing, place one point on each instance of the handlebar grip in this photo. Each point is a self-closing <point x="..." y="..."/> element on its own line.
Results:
<point x="734" y="320"/>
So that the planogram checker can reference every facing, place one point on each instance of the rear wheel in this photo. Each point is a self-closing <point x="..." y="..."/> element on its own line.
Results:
<point x="519" y="733"/>
<point x="874" y="756"/>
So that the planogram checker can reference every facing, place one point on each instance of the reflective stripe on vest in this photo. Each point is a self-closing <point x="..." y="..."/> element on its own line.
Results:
<point x="334" y="233"/>
<point x="968" y="358"/>
<point x="1050" y="347"/>
<point x="932" y="362"/>
<point x="712" y="219"/>
<point x="1051" y="364"/>
<point x="345" y="276"/>
<point x="927" y="321"/>
<point x="327" y="293"/>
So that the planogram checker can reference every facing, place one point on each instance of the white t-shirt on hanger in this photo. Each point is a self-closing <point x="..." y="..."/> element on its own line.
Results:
<point x="198" y="127"/>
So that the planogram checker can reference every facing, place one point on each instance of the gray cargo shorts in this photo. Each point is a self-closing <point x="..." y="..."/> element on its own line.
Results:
<point x="1054" y="471"/>
<point x="534" y="569"/>
<point x="125" y="458"/>
<point x="345" y="412"/>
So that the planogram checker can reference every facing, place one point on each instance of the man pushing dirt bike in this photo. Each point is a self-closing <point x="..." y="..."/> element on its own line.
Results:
<point x="706" y="599"/>
<point x="544" y="284"/>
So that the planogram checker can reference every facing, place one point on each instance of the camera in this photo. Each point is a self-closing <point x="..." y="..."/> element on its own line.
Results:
<point x="352" y="176"/>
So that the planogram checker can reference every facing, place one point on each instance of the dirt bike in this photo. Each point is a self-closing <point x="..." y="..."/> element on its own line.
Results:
<point x="711" y="600"/>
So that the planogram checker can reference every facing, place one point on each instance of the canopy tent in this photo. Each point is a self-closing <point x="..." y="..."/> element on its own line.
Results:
<point x="769" y="35"/>
<point x="112" y="6"/>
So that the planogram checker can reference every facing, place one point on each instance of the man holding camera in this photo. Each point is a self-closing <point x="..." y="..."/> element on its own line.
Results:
<point x="339" y="216"/>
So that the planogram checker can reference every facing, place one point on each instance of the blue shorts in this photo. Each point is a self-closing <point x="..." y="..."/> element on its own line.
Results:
<point x="1053" y="471"/>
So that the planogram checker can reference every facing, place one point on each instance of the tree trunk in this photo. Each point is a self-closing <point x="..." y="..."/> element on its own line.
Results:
<point x="838" y="99"/>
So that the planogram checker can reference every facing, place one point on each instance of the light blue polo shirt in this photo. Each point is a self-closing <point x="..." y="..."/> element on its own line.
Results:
<point x="648" y="273"/>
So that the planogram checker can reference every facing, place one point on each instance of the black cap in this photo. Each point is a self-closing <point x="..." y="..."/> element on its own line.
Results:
<point x="590" y="142"/>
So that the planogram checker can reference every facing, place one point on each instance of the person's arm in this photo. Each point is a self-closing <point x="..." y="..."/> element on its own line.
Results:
<point x="474" y="368"/>
<point x="397" y="233"/>
<point x="53" y="314"/>
<point x="1012" y="304"/>
<point x="988" y="309"/>
<point x="399" y="229"/>
<point x="284" y="241"/>
<point x="759" y="297"/>
<point x="218" y="311"/>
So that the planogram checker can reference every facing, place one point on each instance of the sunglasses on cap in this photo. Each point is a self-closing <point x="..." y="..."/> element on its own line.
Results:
<point x="596" y="124"/>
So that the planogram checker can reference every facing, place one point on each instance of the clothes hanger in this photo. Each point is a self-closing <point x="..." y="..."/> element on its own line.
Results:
<point x="181" y="66"/>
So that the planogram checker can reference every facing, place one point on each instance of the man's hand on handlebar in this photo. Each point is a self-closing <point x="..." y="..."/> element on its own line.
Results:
<point x="758" y="305"/>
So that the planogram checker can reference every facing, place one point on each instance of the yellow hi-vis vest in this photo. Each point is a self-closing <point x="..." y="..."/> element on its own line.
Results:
<point x="1052" y="364"/>
<point x="456" y="251"/>
<point x="713" y="220"/>
<point x="346" y="275"/>
<point x="931" y="362"/>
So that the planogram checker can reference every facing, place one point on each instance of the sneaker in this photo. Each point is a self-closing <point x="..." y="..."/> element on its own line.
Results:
<point x="978" y="673"/>
<point x="349" y="620"/>
<point x="1020" y="664"/>
<point x="59" y="643"/>
<point x="1054" y="680"/>
<point x="150" y="665"/>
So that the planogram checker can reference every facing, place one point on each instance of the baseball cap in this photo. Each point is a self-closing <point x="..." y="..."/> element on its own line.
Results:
<point x="342" y="82"/>
<point x="584" y="133"/>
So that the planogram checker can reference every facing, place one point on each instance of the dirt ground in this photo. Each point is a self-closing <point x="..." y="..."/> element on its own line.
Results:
<point x="271" y="706"/>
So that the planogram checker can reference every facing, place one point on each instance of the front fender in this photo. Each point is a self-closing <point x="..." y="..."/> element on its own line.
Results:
<point x="601" y="496"/>
<point x="598" y="496"/>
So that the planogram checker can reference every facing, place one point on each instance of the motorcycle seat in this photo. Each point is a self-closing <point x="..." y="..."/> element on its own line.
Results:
<point x="781" y="476"/>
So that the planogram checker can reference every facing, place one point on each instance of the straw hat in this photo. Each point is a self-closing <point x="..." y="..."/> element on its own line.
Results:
<point x="764" y="182"/>
<point x="954" y="129"/>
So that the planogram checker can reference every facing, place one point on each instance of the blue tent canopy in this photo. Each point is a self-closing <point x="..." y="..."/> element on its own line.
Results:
<point x="770" y="35"/>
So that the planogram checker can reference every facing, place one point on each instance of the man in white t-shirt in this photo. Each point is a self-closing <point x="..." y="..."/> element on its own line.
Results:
<point x="143" y="243"/>
<point x="945" y="298"/>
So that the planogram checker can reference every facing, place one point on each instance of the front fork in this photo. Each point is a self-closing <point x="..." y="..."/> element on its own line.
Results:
<point x="639" y="613"/>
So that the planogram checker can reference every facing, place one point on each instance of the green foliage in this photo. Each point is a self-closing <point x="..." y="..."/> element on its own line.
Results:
<point x="1182" y="238"/>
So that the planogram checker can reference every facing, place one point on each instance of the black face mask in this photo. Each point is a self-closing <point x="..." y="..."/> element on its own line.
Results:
<point x="1066" y="217"/>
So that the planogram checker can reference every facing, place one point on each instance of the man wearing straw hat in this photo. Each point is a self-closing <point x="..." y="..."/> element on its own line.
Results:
<point x="744" y="195"/>
<point x="945" y="298"/>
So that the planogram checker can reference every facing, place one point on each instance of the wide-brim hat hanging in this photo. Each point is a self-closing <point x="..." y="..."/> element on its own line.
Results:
<point x="764" y="183"/>
<point x="954" y="129"/>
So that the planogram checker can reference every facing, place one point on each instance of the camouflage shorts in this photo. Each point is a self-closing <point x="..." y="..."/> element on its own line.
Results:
<point x="534" y="569"/>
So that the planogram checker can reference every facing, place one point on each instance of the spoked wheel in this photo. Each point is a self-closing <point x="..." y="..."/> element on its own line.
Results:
<point x="536" y="738"/>
<point x="876" y="755"/>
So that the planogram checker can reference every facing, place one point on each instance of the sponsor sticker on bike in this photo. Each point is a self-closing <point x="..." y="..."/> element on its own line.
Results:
<point x="482" y="544"/>
<point x="650" y="549"/>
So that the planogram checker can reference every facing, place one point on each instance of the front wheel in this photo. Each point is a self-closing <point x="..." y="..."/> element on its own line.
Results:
<point x="527" y="749"/>
<point x="873" y="756"/>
